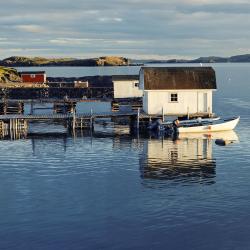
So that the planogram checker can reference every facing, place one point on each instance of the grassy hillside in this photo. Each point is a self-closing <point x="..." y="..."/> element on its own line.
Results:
<point x="112" y="61"/>
<point x="16" y="61"/>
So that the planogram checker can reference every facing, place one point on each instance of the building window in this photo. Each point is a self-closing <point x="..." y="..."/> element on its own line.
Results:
<point x="136" y="84"/>
<point x="173" y="97"/>
<point x="33" y="76"/>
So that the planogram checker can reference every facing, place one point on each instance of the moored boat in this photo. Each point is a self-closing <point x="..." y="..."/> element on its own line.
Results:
<point x="194" y="121"/>
<point x="213" y="126"/>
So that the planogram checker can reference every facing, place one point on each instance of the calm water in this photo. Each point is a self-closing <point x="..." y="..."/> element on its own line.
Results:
<point x="110" y="190"/>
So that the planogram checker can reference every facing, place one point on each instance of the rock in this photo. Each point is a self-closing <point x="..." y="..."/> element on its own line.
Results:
<point x="9" y="75"/>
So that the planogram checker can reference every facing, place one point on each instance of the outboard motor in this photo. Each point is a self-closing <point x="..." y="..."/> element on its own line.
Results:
<point x="156" y="125"/>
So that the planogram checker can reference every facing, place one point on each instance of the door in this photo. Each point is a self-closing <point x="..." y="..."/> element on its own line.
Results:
<point x="204" y="102"/>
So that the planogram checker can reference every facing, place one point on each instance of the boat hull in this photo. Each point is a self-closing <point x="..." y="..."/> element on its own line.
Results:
<point x="224" y="126"/>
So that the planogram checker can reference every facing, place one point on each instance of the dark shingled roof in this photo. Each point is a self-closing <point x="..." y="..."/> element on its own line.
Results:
<point x="125" y="77"/>
<point x="31" y="72"/>
<point x="179" y="78"/>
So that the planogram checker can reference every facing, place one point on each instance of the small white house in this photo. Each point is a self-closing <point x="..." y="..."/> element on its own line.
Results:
<point x="126" y="86"/>
<point x="177" y="90"/>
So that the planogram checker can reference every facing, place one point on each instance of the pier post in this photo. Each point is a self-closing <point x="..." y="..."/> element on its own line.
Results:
<point x="91" y="119"/>
<point x="10" y="125"/>
<point x="20" y="107"/>
<point x="5" y="107"/>
<point x="138" y="118"/>
<point x="31" y="107"/>
<point x="74" y="120"/>
<point x="163" y="114"/>
<point x="188" y="112"/>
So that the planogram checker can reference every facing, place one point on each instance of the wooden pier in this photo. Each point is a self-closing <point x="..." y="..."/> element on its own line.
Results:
<point x="19" y="122"/>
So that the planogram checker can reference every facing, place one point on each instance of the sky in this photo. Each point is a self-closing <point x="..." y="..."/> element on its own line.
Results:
<point x="137" y="29"/>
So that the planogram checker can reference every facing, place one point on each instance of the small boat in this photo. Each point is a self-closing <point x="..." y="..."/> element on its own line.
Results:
<point x="213" y="126"/>
<point x="193" y="121"/>
<point x="162" y="125"/>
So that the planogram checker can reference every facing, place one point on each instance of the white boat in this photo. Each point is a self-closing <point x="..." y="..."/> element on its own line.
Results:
<point x="193" y="121"/>
<point x="213" y="126"/>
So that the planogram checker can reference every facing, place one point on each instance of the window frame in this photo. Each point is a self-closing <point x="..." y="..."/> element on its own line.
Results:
<point x="173" y="97"/>
<point x="136" y="84"/>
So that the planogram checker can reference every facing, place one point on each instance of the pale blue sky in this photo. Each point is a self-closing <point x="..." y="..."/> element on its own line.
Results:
<point x="134" y="29"/>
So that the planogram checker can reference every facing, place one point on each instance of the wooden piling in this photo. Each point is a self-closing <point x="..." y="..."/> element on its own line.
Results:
<point x="138" y="118"/>
<point x="74" y="121"/>
<point x="91" y="118"/>
<point x="31" y="107"/>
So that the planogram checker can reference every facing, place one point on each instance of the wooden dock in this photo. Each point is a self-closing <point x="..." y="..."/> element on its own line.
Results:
<point x="16" y="125"/>
<point x="87" y="115"/>
<point x="19" y="122"/>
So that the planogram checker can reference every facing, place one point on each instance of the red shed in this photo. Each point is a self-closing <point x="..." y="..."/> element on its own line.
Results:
<point x="33" y="76"/>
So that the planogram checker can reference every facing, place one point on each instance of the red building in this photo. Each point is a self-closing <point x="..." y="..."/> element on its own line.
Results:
<point x="33" y="76"/>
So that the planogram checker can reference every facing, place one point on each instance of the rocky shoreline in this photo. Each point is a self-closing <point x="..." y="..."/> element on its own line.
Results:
<point x="16" y="61"/>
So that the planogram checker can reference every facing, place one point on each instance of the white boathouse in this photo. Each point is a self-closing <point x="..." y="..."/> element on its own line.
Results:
<point x="126" y="86"/>
<point x="177" y="90"/>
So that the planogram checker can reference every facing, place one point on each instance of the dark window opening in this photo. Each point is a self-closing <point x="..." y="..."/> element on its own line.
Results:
<point x="174" y="97"/>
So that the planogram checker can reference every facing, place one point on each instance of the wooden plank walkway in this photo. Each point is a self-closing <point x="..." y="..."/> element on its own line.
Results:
<point x="54" y="100"/>
<point x="88" y="115"/>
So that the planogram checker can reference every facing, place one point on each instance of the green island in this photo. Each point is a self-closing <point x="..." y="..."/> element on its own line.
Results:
<point x="20" y="61"/>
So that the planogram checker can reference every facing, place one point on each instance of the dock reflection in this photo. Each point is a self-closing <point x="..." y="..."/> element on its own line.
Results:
<point x="187" y="159"/>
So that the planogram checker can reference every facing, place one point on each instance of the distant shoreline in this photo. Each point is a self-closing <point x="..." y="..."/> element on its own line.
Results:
<point x="110" y="61"/>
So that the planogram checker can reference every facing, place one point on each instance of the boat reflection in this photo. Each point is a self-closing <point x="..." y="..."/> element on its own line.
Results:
<point x="223" y="135"/>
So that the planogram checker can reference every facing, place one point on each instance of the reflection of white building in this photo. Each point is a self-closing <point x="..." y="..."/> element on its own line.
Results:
<point x="126" y="86"/>
<point x="177" y="90"/>
<point x="186" y="158"/>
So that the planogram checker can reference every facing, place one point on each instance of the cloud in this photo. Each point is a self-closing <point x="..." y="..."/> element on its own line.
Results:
<point x="184" y="28"/>
<point x="73" y="41"/>
<point x="30" y="28"/>
<point x="110" y="19"/>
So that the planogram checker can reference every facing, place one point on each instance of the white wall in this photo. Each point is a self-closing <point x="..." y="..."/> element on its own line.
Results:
<point x="191" y="101"/>
<point x="127" y="89"/>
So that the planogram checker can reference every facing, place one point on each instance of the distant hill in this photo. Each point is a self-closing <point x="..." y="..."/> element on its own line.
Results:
<point x="209" y="59"/>
<point x="16" y="61"/>
<point x="240" y="58"/>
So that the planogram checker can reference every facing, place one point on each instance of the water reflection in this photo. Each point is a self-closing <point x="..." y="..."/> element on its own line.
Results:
<point x="188" y="159"/>
<point x="185" y="160"/>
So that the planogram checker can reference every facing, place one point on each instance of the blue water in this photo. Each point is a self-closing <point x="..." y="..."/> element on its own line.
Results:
<point x="111" y="190"/>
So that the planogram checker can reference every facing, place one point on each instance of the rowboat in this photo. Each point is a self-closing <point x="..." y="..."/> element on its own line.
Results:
<point x="193" y="121"/>
<point x="213" y="126"/>
<point x="163" y="125"/>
